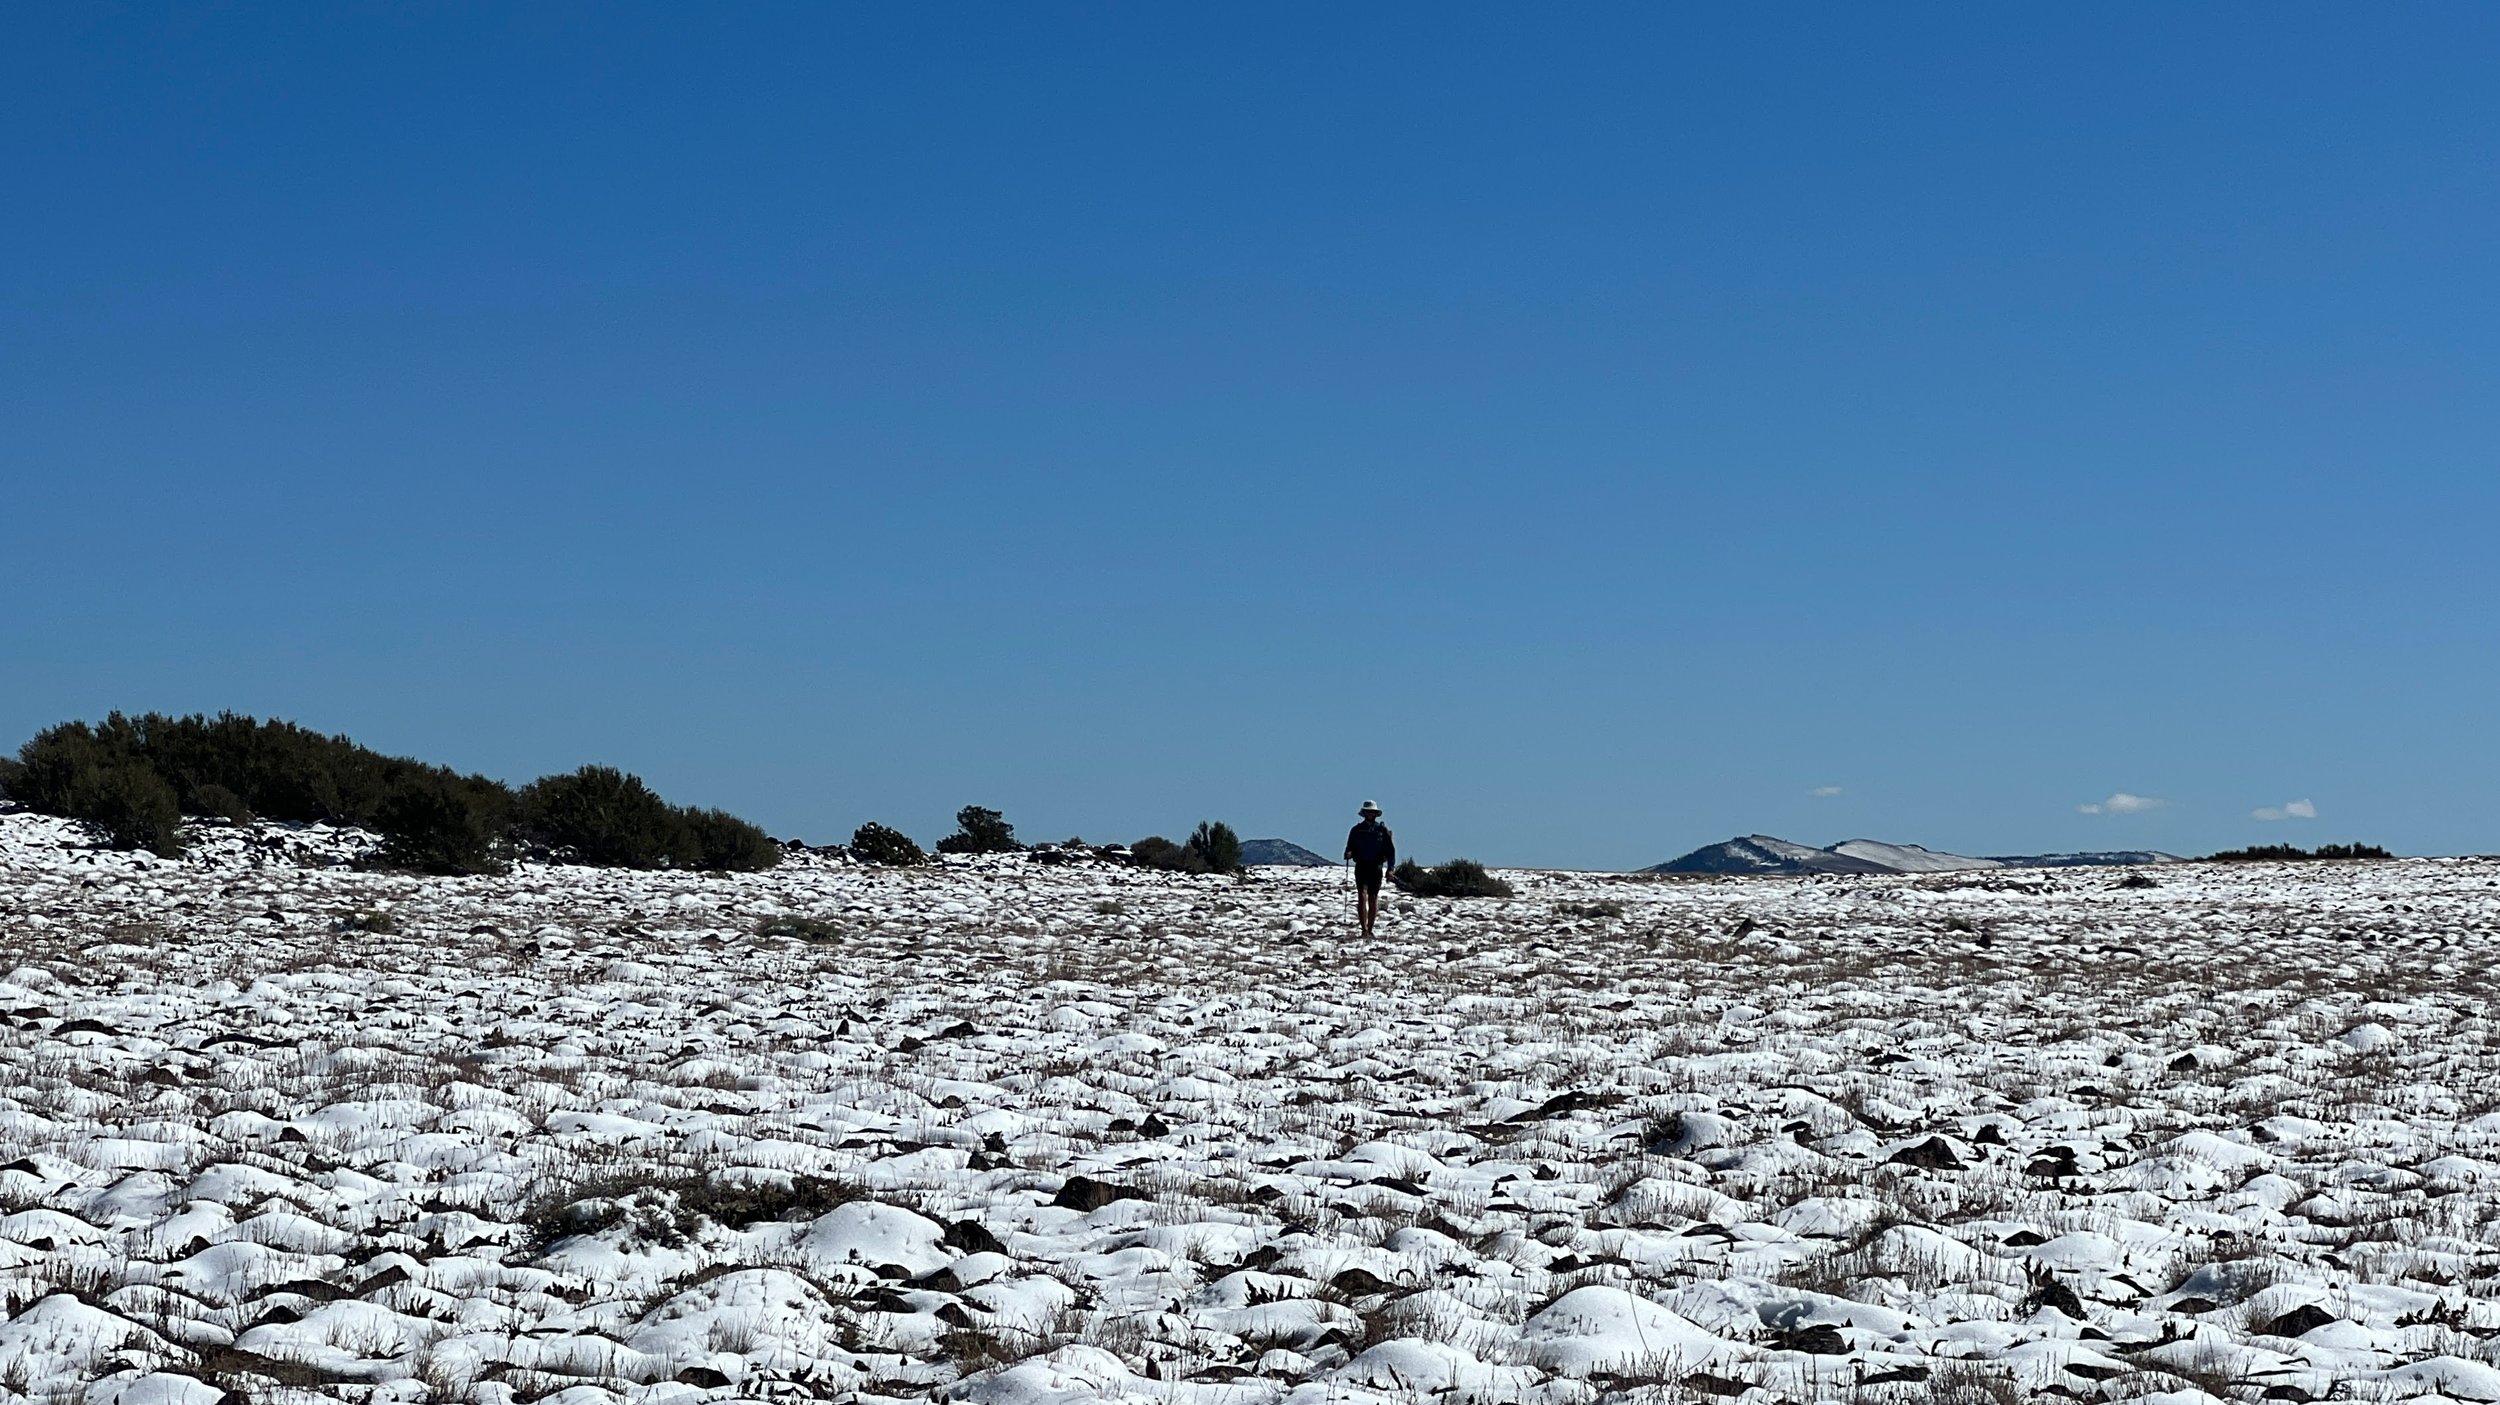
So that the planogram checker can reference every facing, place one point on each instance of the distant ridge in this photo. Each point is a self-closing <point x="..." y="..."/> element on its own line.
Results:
<point x="1910" y="858"/>
<point x="2111" y="858"/>
<point x="1281" y="852"/>
<point x="1760" y="853"/>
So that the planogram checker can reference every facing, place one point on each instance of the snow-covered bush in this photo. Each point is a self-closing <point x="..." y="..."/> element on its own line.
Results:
<point x="438" y="822"/>
<point x="1216" y="846"/>
<point x="1459" y="878"/>
<point x="876" y="843"/>
<point x="980" y="831"/>
<point x="724" y="843"/>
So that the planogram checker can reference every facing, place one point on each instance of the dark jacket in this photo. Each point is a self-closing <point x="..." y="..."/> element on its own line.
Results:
<point x="1371" y="844"/>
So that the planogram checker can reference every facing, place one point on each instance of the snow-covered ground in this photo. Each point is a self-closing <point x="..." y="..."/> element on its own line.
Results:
<point x="1007" y="1132"/>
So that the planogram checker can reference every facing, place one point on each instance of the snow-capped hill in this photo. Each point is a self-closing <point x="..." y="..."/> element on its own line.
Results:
<point x="1282" y="852"/>
<point x="2109" y="858"/>
<point x="1910" y="858"/>
<point x="1760" y="853"/>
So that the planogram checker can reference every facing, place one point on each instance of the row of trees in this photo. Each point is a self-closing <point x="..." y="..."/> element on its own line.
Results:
<point x="2287" y="853"/>
<point x="1212" y="847"/>
<point x="136" y="778"/>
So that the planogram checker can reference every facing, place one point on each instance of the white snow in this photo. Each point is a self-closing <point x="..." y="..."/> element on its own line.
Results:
<point x="1075" y="1133"/>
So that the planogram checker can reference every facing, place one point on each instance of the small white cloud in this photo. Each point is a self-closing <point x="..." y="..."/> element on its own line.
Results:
<point x="1824" y="792"/>
<point x="2294" y="810"/>
<point x="2123" y="804"/>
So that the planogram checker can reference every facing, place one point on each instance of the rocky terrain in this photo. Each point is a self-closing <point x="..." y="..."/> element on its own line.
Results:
<point x="276" y="1129"/>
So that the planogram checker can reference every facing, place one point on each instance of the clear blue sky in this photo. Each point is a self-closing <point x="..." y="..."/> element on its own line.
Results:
<point x="1590" y="431"/>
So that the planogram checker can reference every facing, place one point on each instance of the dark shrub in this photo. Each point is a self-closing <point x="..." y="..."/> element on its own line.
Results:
<point x="439" y="822"/>
<point x="980" y="831"/>
<point x="134" y="808"/>
<point x="431" y="819"/>
<point x="2286" y="853"/>
<point x="216" y="800"/>
<point x="9" y="769"/>
<point x="1155" y="851"/>
<point x="99" y="775"/>
<point x="874" y="843"/>
<point x="604" y="817"/>
<point x="235" y="767"/>
<point x="724" y="843"/>
<point x="1459" y="878"/>
<point x="60" y="762"/>
<point x="1216" y="846"/>
<point x="801" y="927"/>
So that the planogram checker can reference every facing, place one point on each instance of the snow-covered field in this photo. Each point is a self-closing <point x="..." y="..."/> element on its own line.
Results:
<point x="1015" y="1133"/>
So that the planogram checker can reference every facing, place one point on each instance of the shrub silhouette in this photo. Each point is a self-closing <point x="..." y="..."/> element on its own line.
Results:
<point x="602" y="816"/>
<point x="215" y="799"/>
<point x="434" y="821"/>
<point x="2286" y="853"/>
<point x="724" y="843"/>
<point x="1459" y="878"/>
<point x="100" y="775"/>
<point x="1216" y="846"/>
<point x="134" y="808"/>
<point x="1155" y="851"/>
<point x="980" y="831"/>
<point x="878" y="844"/>
<point x="116" y="774"/>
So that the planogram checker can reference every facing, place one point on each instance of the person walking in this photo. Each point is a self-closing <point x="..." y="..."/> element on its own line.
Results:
<point x="1371" y="848"/>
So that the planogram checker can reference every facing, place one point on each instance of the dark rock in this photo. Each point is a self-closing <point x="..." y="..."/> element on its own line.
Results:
<point x="1821" y="1339"/>
<point x="1360" y="1283"/>
<point x="1087" y="1194"/>
<point x="1898" y="1375"/>
<point x="2299" y="1322"/>
<point x="2056" y="1163"/>
<point x="2049" y="1293"/>
<point x="1933" y="1154"/>
<point x="2189" y="1307"/>
<point x="701" y="1378"/>
<point x="972" y="1237"/>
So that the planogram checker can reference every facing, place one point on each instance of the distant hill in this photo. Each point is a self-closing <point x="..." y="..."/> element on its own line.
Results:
<point x="2112" y="858"/>
<point x="1910" y="858"/>
<point x="1760" y="853"/>
<point x="1279" y="851"/>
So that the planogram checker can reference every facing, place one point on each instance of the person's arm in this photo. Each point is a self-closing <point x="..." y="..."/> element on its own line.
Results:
<point x="1389" y="837"/>
<point x="1349" y="843"/>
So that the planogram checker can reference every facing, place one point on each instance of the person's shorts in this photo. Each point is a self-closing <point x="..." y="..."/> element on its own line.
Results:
<point x="1367" y="876"/>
